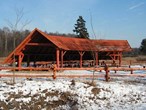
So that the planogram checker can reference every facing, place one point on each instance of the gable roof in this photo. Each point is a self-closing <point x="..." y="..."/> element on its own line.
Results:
<point x="70" y="43"/>
<point x="74" y="44"/>
<point x="112" y="45"/>
<point x="80" y="44"/>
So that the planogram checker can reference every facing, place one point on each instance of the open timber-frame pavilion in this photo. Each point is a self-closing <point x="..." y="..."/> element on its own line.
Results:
<point x="39" y="49"/>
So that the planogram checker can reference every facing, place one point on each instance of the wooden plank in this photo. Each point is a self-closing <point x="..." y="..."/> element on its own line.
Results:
<point x="39" y="44"/>
<point x="57" y="58"/>
<point x="62" y="55"/>
<point x="81" y="58"/>
<point x="72" y="76"/>
<point x="58" y="69"/>
<point x="96" y="58"/>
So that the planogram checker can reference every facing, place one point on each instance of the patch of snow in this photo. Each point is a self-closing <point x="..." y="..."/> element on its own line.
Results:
<point x="28" y="99"/>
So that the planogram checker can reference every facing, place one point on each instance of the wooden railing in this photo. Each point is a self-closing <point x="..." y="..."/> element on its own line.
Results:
<point x="55" y="75"/>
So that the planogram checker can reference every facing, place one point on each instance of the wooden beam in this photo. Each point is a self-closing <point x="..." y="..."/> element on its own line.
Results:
<point x="96" y="58"/>
<point x="71" y="76"/>
<point x="120" y="58"/>
<point x="20" y="58"/>
<point x="62" y="54"/>
<point x="39" y="44"/>
<point x="39" y="54"/>
<point x="115" y="55"/>
<point x="57" y="58"/>
<point x="81" y="58"/>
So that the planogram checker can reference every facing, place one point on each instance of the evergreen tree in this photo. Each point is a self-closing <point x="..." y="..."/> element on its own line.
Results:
<point x="143" y="46"/>
<point x="81" y="29"/>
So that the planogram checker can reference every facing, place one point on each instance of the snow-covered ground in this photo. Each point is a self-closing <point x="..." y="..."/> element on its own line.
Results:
<point x="73" y="94"/>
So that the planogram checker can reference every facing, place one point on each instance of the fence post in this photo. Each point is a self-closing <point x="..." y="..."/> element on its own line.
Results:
<point x="54" y="71"/>
<point x="131" y="71"/>
<point x="115" y="71"/>
<point x="107" y="77"/>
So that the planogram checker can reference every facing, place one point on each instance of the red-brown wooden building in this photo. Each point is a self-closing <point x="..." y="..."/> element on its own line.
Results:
<point x="44" y="50"/>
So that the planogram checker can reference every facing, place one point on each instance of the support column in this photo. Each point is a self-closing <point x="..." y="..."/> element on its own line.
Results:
<point x="120" y="58"/>
<point x="62" y="54"/>
<point x="114" y="56"/>
<point x="57" y="58"/>
<point x="20" y="58"/>
<point x="96" y="58"/>
<point x="81" y="58"/>
<point x="19" y="61"/>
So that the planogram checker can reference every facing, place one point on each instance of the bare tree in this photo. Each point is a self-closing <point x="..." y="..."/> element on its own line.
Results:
<point x="18" y="24"/>
<point x="93" y="54"/>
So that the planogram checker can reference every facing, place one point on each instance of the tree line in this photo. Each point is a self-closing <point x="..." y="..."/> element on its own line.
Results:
<point x="7" y="38"/>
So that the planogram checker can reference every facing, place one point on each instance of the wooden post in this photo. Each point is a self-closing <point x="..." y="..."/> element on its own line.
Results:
<point x="54" y="71"/>
<point x="131" y="71"/>
<point x="19" y="62"/>
<point x="62" y="54"/>
<point x="107" y="77"/>
<point x="20" y="58"/>
<point x="81" y="58"/>
<point x="130" y="62"/>
<point x="120" y="58"/>
<point x="61" y="58"/>
<point x="114" y="53"/>
<point x="96" y="58"/>
<point x="57" y="58"/>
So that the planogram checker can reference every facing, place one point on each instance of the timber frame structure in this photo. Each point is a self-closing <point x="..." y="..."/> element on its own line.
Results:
<point x="39" y="49"/>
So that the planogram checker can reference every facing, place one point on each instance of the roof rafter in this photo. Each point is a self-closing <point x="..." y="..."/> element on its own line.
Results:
<point x="39" y="44"/>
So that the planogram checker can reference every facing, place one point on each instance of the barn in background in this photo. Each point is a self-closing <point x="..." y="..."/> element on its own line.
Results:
<point x="39" y="49"/>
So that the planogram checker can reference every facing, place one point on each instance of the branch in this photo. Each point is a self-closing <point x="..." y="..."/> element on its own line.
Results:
<point x="92" y="24"/>
<point x="19" y="15"/>
<point x="25" y="24"/>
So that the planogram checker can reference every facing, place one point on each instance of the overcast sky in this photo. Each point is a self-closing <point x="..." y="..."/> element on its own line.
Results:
<point x="111" y="19"/>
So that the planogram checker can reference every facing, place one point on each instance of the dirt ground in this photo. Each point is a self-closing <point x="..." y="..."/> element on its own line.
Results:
<point x="140" y="60"/>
